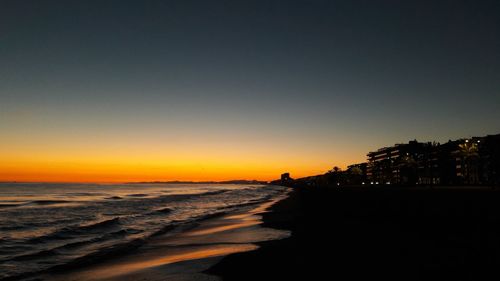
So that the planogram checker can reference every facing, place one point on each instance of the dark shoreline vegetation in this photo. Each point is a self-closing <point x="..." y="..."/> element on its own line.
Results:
<point x="377" y="233"/>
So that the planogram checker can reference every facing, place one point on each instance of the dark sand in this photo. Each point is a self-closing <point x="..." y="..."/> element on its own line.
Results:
<point x="379" y="234"/>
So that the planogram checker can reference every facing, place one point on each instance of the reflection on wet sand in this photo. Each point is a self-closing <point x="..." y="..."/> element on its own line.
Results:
<point x="122" y="268"/>
<point x="221" y="228"/>
<point x="212" y="238"/>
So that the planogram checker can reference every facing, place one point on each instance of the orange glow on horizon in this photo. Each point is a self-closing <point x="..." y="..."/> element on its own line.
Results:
<point x="136" y="173"/>
<point x="110" y="159"/>
<point x="106" y="171"/>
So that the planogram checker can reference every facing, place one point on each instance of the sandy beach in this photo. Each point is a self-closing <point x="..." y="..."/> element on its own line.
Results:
<point x="380" y="234"/>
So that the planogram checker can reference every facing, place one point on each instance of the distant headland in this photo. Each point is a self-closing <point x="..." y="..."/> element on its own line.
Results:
<point x="201" y="182"/>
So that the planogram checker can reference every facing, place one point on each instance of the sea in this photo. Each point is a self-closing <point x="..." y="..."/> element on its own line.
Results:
<point x="44" y="226"/>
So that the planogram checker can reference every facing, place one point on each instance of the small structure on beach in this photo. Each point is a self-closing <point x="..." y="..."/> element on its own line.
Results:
<point x="286" y="179"/>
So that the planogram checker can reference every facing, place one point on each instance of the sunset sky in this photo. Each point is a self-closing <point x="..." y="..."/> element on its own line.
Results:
<point x="107" y="91"/>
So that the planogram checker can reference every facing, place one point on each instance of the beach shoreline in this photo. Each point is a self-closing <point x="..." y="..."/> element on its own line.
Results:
<point x="316" y="233"/>
<point x="182" y="254"/>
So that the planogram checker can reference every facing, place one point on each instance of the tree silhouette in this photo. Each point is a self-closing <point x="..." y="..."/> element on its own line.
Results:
<point x="469" y="156"/>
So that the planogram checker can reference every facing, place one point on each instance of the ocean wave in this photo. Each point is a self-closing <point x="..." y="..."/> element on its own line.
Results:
<point x="164" y="230"/>
<point x="108" y="236"/>
<point x="179" y="197"/>
<point x="47" y="202"/>
<point x="85" y="194"/>
<point x="247" y="204"/>
<point x="75" y="245"/>
<point x="213" y="192"/>
<point x="183" y="225"/>
<point x="101" y="224"/>
<point x="138" y="195"/>
<point x="9" y="205"/>
<point x="99" y="255"/>
<point x="162" y="211"/>
<point x="72" y="231"/>
<point x="13" y="227"/>
<point x="85" y="260"/>
<point x="36" y="255"/>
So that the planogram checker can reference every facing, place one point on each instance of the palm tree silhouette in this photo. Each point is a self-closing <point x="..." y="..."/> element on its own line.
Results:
<point x="469" y="154"/>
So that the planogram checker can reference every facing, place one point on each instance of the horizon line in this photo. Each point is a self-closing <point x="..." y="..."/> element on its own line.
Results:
<point x="134" y="182"/>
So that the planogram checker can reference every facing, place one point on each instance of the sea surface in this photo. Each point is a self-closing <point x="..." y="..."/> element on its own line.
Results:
<point x="46" y="226"/>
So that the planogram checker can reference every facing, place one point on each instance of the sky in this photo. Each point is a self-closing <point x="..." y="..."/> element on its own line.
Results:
<point x="107" y="91"/>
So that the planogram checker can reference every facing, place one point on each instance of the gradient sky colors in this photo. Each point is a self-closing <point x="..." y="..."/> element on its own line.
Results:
<point x="215" y="90"/>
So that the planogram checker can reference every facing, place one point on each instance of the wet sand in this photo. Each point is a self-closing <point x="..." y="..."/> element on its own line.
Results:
<point x="183" y="255"/>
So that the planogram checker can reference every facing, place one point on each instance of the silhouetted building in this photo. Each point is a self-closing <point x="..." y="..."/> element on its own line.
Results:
<point x="489" y="153"/>
<point x="428" y="164"/>
<point x="395" y="165"/>
<point x="477" y="160"/>
<point x="458" y="162"/>
<point x="286" y="179"/>
<point x="472" y="161"/>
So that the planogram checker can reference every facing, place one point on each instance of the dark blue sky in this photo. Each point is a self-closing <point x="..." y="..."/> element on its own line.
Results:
<point x="322" y="74"/>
